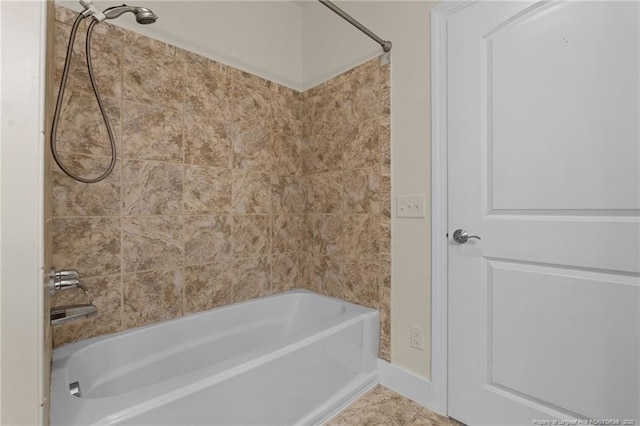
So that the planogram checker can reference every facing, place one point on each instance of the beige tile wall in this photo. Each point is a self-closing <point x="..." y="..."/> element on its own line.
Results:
<point x="347" y="160"/>
<point x="227" y="186"/>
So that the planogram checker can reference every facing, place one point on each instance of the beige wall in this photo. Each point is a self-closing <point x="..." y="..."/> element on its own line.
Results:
<point x="227" y="187"/>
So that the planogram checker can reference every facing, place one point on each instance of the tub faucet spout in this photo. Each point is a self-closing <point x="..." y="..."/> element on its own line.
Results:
<point x="63" y="314"/>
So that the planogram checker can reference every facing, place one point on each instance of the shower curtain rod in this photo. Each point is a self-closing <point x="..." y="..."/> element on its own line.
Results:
<point x="386" y="45"/>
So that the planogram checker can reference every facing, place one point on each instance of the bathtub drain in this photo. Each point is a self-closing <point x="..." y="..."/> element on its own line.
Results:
<point x="74" y="389"/>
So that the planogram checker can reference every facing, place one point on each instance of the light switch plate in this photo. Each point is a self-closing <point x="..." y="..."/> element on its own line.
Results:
<point x="410" y="205"/>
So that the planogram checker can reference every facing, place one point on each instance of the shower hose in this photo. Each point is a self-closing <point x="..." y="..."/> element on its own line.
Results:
<point x="63" y="84"/>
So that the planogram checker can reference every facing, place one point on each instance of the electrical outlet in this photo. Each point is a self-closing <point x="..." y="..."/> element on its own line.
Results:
<point x="417" y="337"/>
<point x="410" y="206"/>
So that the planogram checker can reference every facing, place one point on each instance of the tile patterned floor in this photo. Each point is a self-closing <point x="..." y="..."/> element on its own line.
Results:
<point x="383" y="407"/>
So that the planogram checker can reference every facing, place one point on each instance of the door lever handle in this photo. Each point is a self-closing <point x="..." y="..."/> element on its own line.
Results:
<point x="461" y="236"/>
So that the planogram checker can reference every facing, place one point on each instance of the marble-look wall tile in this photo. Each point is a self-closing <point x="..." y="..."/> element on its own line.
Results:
<point x="314" y="91"/>
<point x="151" y="187"/>
<point x="251" y="278"/>
<point x="361" y="283"/>
<point x="325" y="192"/>
<point x="248" y="81"/>
<point x="207" y="286"/>
<point x="207" y="190"/>
<point x="152" y="242"/>
<point x="286" y="149"/>
<point x="362" y="95"/>
<point x="131" y="38"/>
<point x="190" y="57"/>
<point x="289" y="194"/>
<point x="385" y="323"/>
<point x="109" y="36"/>
<point x="251" y="236"/>
<point x="306" y="152"/>
<point x="385" y="196"/>
<point x="386" y="207"/>
<point x="385" y="146"/>
<point x="194" y="58"/>
<point x="162" y="48"/>
<point x="250" y="192"/>
<point x="368" y="67"/>
<point x="250" y="101"/>
<point x="65" y="15"/>
<point x="326" y="150"/>
<point x="327" y="234"/>
<point x="325" y="112"/>
<point x="287" y="112"/>
<point x="105" y="59"/>
<point x="328" y="275"/>
<point x="385" y="237"/>
<point x="153" y="78"/>
<point x="290" y="233"/>
<point x="385" y="271"/>
<point x="207" y="141"/>
<point x="73" y="198"/>
<point x="90" y="245"/>
<point x="287" y="272"/>
<point x="310" y="283"/>
<point x="150" y="133"/>
<point x="385" y="90"/>
<point x="361" y="236"/>
<point x="81" y="129"/>
<point x="150" y="297"/>
<point x="362" y="191"/>
<point x="207" y="239"/>
<point x="252" y="148"/>
<point x="105" y="293"/>
<point x="361" y="146"/>
<point x="207" y="92"/>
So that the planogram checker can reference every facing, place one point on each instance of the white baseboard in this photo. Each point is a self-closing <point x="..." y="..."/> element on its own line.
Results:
<point x="405" y="383"/>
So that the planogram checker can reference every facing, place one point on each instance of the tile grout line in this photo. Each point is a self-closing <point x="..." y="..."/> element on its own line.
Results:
<point x="184" y="179"/>
<point x="121" y="198"/>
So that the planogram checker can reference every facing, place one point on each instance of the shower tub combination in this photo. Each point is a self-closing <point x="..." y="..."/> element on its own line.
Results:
<point x="293" y="358"/>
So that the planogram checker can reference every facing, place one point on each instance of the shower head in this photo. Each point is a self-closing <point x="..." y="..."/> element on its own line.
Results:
<point x="143" y="15"/>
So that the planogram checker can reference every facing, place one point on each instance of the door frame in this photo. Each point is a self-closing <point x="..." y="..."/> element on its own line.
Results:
<point x="439" y="207"/>
<point x="22" y="153"/>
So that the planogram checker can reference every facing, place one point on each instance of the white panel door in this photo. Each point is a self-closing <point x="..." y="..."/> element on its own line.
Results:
<point x="544" y="165"/>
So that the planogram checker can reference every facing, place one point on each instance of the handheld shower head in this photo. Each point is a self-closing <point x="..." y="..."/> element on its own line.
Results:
<point x="143" y="15"/>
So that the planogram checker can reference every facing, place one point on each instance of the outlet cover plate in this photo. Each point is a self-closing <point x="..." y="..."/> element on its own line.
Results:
<point x="410" y="205"/>
<point x="417" y="337"/>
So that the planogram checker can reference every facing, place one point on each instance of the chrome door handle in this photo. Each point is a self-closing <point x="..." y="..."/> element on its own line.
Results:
<point x="461" y="236"/>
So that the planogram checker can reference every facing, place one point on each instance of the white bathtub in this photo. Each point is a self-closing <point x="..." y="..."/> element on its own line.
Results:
<point x="293" y="358"/>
